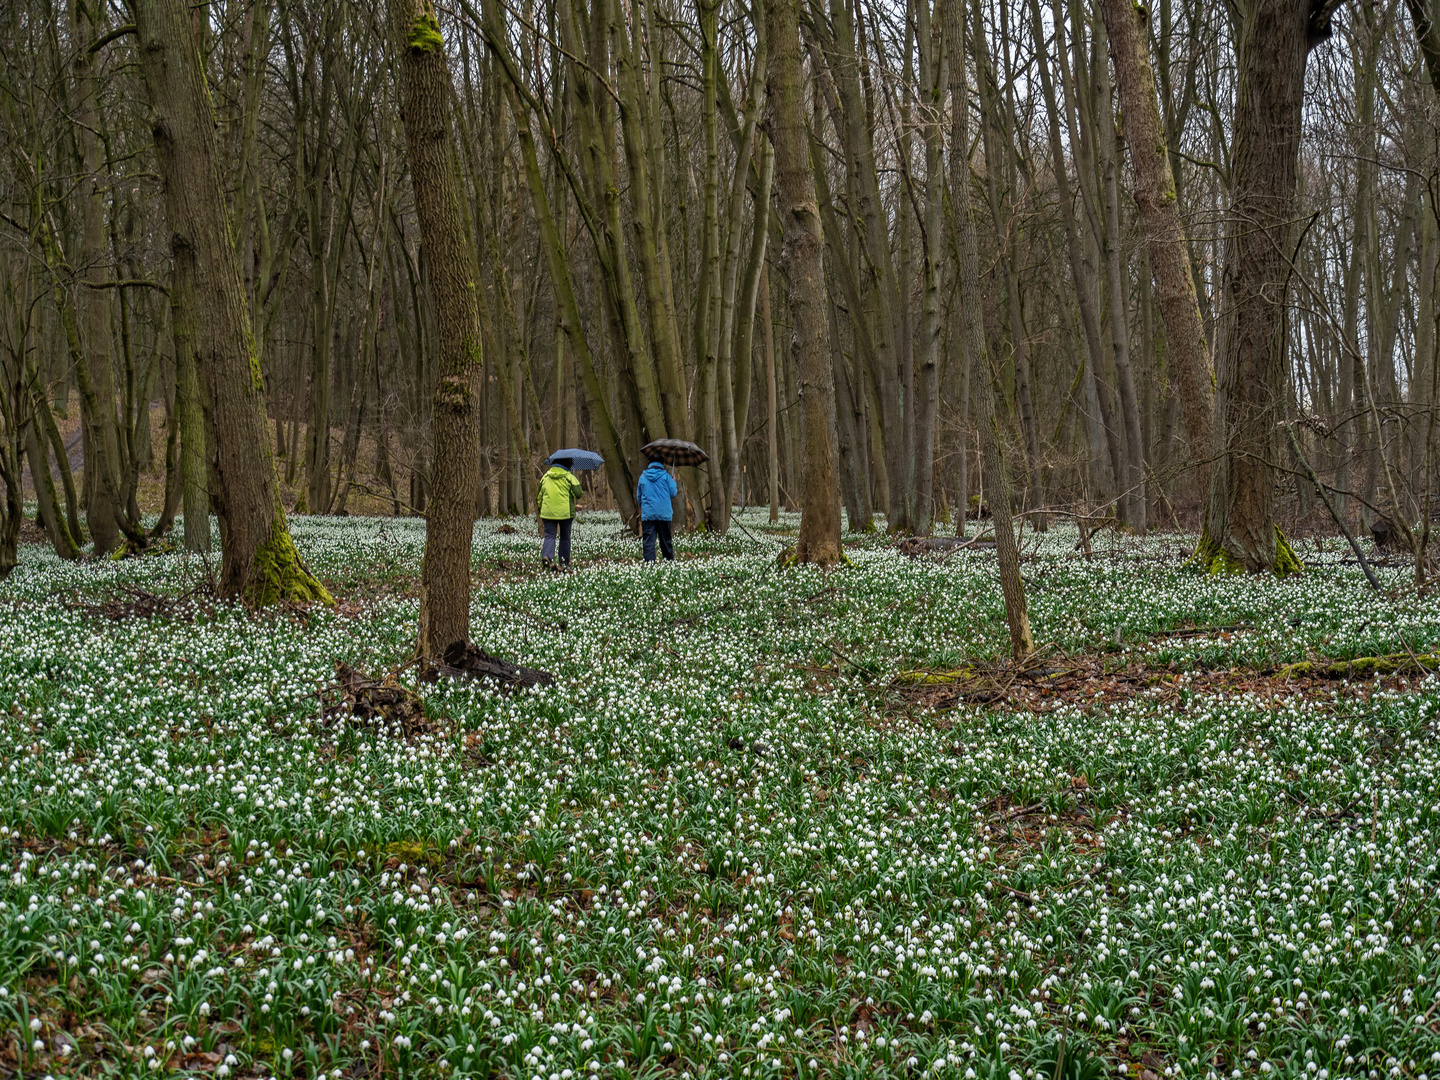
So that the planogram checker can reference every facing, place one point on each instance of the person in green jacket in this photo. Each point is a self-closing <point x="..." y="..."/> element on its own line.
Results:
<point x="558" y="491"/>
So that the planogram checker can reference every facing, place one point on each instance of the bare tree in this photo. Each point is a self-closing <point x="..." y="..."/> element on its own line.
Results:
<point x="1128" y="25"/>
<point x="1017" y="616"/>
<point x="802" y="258"/>
<point x="259" y="562"/>
<point x="1276" y="37"/>
<point x="425" y="106"/>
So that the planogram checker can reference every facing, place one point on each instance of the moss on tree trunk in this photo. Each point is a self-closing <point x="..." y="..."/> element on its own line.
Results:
<point x="278" y="575"/>
<point x="1212" y="556"/>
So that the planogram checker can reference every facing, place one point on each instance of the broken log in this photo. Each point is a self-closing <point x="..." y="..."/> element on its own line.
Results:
<point x="356" y="694"/>
<point x="1362" y="667"/>
<point x="464" y="660"/>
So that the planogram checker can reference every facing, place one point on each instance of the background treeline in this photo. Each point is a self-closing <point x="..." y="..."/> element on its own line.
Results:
<point x="619" y="196"/>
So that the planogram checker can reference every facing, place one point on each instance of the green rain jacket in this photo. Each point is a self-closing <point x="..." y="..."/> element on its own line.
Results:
<point x="558" y="492"/>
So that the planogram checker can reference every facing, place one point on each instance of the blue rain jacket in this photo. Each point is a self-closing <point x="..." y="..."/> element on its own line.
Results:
<point x="655" y="490"/>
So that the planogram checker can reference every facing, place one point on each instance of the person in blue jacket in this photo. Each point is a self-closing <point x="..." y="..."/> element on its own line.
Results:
<point x="654" y="492"/>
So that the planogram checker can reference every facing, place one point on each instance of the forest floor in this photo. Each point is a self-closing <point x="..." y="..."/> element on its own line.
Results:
<point x="764" y="824"/>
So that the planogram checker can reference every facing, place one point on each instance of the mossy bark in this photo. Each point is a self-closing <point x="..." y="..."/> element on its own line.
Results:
<point x="278" y="575"/>
<point x="936" y="678"/>
<point x="1215" y="558"/>
<point x="1361" y="667"/>
<point x="424" y="35"/>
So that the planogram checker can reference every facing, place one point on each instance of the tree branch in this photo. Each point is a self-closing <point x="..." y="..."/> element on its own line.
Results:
<point x="127" y="283"/>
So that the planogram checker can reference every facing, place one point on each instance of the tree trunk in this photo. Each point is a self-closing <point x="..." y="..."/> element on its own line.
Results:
<point x="1007" y="551"/>
<point x="1134" y="484"/>
<point x="1078" y="103"/>
<point x="853" y="124"/>
<point x="46" y="502"/>
<point x="1427" y="34"/>
<point x="617" y="465"/>
<point x="853" y="478"/>
<point x="743" y="333"/>
<point x="13" y="509"/>
<point x="641" y="156"/>
<point x="1008" y="229"/>
<point x="173" y="485"/>
<point x="1080" y="274"/>
<point x="260" y="564"/>
<point x="1240" y="531"/>
<point x="926" y="397"/>
<point x="98" y="409"/>
<point x="452" y="275"/>
<point x="772" y="419"/>
<point x="195" y="498"/>
<point x="819" y="540"/>
<point x="708" y="319"/>
<point x="45" y="417"/>
<point x="851" y="378"/>
<point x="737" y="298"/>
<point x="1357" y="442"/>
<point x="1127" y="24"/>
<point x="317" y="428"/>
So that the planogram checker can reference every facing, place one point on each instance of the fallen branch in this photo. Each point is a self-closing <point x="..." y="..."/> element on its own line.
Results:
<point x="935" y="678"/>
<point x="1197" y="631"/>
<point x="1361" y="666"/>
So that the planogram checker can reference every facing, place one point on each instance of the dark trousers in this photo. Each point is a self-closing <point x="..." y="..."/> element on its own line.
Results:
<point x="552" y="528"/>
<point x="650" y="531"/>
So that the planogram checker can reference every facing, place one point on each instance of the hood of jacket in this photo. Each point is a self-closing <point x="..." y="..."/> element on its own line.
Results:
<point x="655" y="489"/>
<point x="558" y="489"/>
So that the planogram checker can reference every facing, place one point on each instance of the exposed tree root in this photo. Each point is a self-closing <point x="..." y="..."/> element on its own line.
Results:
<point x="378" y="701"/>
<point x="790" y="556"/>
